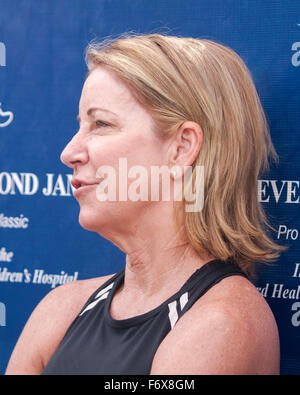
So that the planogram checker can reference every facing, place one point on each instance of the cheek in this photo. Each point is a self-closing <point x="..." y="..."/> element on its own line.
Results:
<point x="136" y="152"/>
<point x="125" y="157"/>
<point x="104" y="153"/>
<point x="145" y="151"/>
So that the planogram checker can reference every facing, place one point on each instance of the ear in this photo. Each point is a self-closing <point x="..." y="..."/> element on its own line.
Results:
<point x="186" y="144"/>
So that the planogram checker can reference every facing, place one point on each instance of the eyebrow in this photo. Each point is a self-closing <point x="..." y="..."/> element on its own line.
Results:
<point x="93" y="109"/>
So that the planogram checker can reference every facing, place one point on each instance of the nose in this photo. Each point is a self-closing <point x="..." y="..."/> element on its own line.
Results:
<point x="75" y="153"/>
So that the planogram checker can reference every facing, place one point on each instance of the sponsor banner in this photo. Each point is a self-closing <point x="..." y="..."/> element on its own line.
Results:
<point x="285" y="191"/>
<point x="288" y="292"/>
<point x="30" y="184"/>
<point x="19" y="222"/>
<point x="296" y="55"/>
<point x="51" y="184"/>
<point x="38" y="276"/>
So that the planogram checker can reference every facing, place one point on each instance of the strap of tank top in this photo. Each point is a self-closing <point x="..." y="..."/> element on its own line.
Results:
<point x="96" y="293"/>
<point x="206" y="277"/>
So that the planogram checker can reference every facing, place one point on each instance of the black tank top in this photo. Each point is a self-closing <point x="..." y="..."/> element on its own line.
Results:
<point x="95" y="343"/>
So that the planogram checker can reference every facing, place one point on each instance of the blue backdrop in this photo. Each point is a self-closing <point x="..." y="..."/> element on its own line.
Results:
<point x="42" y="70"/>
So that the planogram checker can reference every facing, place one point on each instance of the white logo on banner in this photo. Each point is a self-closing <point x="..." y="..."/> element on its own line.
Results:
<point x="280" y="191"/>
<point x="2" y="314"/>
<point x="5" y="114"/>
<point x="38" y="276"/>
<point x="29" y="184"/>
<point x="296" y="316"/>
<point x="296" y="56"/>
<point x="2" y="55"/>
<point x="282" y="293"/>
<point x="20" y="222"/>
<point x="287" y="234"/>
<point x="6" y="256"/>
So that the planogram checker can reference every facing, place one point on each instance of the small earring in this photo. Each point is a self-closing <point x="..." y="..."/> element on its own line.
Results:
<point x="173" y="172"/>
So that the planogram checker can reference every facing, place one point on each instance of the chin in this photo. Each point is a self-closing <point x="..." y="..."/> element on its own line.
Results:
<point x="101" y="220"/>
<point x="87" y="224"/>
<point x="111" y="217"/>
<point x="89" y="220"/>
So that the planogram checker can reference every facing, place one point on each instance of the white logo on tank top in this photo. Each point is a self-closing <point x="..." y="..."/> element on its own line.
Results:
<point x="101" y="295"/>
<point x="173" y="315"/>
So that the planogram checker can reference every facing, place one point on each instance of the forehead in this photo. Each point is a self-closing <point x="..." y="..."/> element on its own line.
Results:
<point x="103" y="88"/>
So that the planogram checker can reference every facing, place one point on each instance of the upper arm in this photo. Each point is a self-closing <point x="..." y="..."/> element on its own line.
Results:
<point x="221" y="338"/>
<point x="218" y="345"/>
<point x="41" y="334"/>
<point x="47" y="325"/>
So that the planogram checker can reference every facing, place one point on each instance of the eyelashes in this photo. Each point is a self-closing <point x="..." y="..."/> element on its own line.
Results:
<point x="101" y="124"/>
<point x="94" y="126"/>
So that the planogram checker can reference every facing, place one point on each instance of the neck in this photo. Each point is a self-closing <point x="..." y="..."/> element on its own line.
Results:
<point x="172" y="267"/>
<point x="159" y="258"/>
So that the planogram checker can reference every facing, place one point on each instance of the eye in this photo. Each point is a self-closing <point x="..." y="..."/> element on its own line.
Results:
<point x="101" y="124"/>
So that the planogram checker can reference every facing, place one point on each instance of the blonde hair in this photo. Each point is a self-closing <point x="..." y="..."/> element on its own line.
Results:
<point x="185" y="79"/>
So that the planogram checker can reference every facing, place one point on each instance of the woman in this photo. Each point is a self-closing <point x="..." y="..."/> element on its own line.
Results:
<point x="183" y="304"/>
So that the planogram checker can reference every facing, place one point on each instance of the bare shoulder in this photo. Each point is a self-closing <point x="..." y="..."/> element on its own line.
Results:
<point x="48" y="324"/>
<point x="229" y="330"/>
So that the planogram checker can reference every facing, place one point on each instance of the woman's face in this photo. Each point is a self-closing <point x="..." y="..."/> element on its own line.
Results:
<point x="112" y="126"/>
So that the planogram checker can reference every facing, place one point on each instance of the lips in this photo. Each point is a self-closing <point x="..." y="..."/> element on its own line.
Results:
<point x="76" y="183"/>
